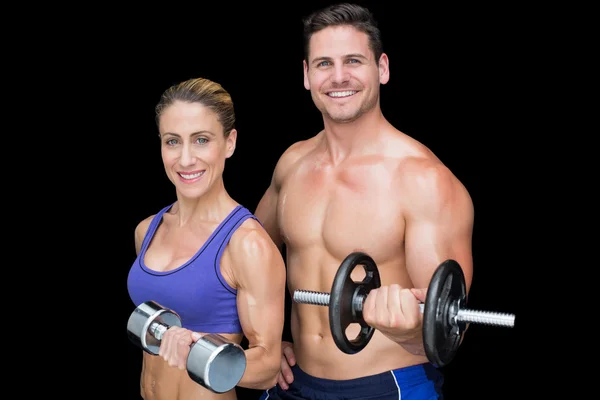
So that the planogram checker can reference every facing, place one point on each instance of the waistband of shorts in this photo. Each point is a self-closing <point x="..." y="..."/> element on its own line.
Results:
<point x="371" y="385"/>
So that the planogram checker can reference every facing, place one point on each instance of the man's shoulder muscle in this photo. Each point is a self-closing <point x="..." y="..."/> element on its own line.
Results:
<point x="426" y="180"/>
<point x="291" y="156"/>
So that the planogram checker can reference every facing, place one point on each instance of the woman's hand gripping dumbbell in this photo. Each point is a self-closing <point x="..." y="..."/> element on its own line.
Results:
<point x="212" y="361"/>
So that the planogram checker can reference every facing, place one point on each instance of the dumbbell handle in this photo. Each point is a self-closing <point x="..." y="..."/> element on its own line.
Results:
<point x="462" y="315"/>
<point x="158" y="330"/>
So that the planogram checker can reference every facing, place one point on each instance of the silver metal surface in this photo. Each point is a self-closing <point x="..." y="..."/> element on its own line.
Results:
<point x="147" y="323"/>
<point x="462" y="315"/>
<point x="216" y="363"/>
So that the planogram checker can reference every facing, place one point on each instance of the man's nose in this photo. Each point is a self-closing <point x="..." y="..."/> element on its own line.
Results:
<point x="340" y="74"/>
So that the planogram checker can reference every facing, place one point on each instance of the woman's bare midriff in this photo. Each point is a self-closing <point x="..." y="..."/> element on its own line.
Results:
<point x="159" y="381"/>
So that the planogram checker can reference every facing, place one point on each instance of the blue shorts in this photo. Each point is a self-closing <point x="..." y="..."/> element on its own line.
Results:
<point x="420" y="382"/>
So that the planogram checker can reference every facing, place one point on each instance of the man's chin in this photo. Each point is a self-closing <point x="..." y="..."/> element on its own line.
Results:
<point x="343" y="119"/>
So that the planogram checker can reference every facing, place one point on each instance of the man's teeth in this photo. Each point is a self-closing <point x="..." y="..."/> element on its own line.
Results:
<point x="342" y="94"/>
<point x="191" y="176"/>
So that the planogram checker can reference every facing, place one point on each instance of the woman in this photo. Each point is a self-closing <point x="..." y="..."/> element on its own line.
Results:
<point x="205" y="256"/>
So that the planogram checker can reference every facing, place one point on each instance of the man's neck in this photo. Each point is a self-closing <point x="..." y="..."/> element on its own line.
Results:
<point x="357" y="137"/>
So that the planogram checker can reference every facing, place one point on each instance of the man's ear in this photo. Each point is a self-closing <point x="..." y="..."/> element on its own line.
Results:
<point x="306" y="84"/>
<point x="384" y="69"/>
<point x="231" y="140"/>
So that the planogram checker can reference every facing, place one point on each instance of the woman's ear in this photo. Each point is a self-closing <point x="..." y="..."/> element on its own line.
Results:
<point x="231" y="140"/>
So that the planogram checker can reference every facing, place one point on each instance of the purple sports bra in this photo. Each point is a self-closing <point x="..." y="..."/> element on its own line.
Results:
<point x="195" y="290"/>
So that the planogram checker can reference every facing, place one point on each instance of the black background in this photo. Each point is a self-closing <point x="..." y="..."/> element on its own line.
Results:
<point x="461" y="82"/>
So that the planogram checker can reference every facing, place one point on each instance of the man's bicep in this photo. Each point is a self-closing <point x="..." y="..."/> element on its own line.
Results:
<point x="440" y="229"/>
<point x="425" y="249"/>
<point x="428" y="244"/>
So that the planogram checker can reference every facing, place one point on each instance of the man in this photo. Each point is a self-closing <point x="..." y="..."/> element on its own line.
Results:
<point x="361" y="185"/>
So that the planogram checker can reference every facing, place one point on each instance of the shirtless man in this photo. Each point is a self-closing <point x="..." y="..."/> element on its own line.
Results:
<point x="361" y="185"/>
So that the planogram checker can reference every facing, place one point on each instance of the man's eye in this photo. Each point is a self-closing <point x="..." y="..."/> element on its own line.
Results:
<point x="172" y="142"/>
<point x="202" y="140"/>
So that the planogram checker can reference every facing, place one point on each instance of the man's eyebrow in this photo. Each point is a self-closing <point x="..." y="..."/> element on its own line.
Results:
<point x="319" y="59"/>
<point x="323" y="58"/>
<point x="356" y="55"/>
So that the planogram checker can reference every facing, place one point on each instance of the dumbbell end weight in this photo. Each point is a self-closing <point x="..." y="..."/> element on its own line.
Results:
<point x="216" y="363"/>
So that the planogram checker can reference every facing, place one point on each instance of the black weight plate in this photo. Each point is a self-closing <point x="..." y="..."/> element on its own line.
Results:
<point x="441" y="335"/>
<point x="345" y="304"/>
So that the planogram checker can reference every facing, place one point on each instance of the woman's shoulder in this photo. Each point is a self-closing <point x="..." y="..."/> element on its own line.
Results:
<point x="252" y="240"/>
